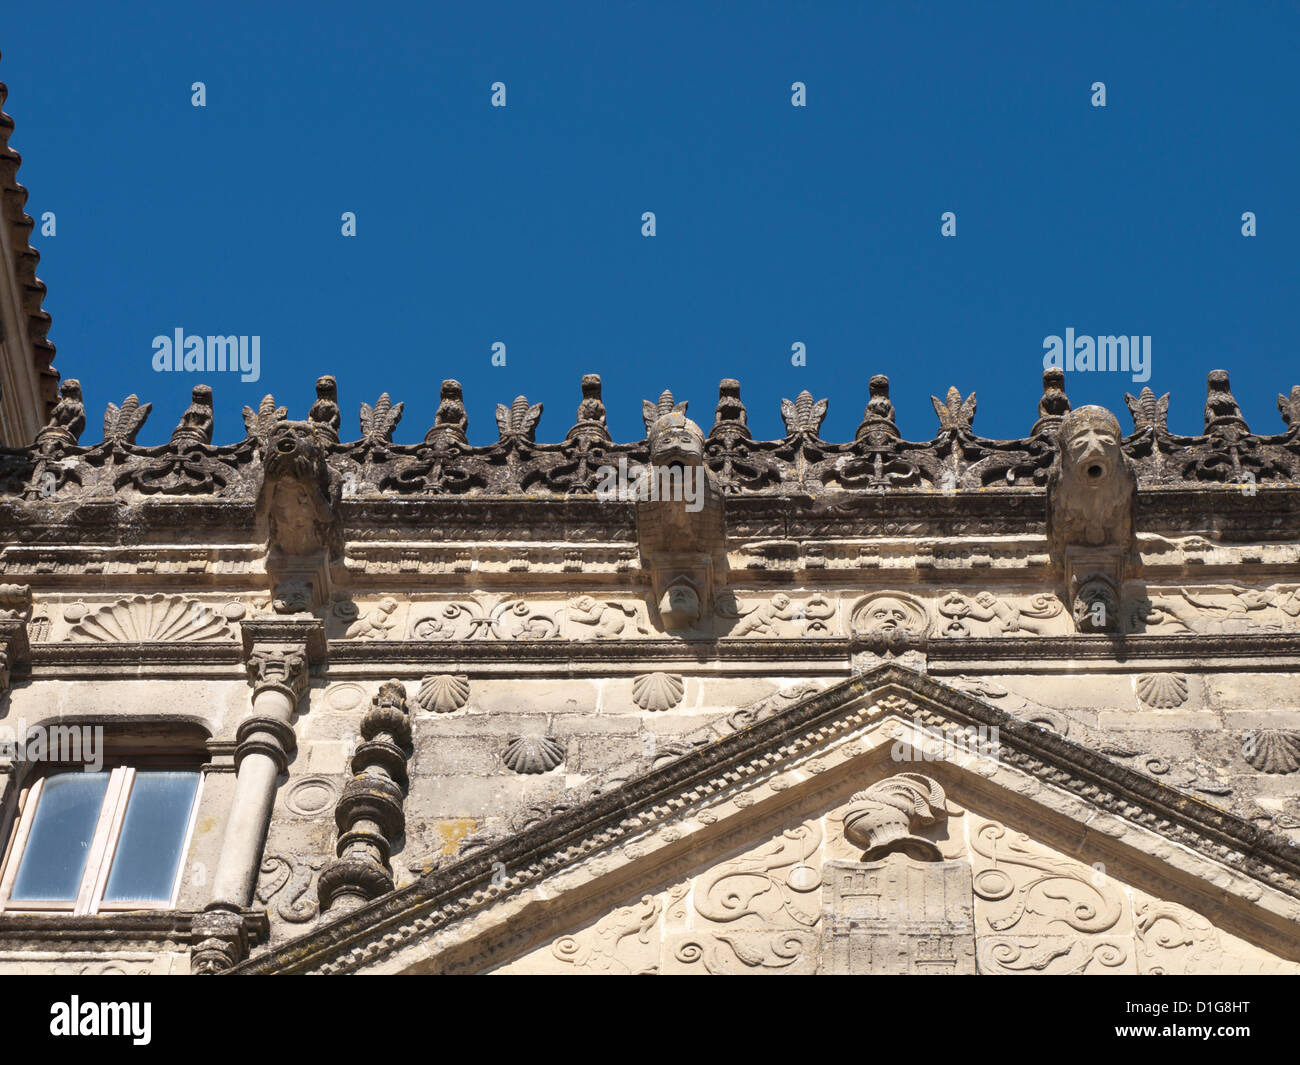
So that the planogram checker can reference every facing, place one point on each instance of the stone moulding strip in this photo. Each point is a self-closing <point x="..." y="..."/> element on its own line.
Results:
<point x="450" y="893"/>
<point x="1261" y="651"/>
<point x="107" y="929"/>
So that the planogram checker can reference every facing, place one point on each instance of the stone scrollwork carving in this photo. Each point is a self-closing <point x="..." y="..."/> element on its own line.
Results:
<point x="486" y="617"/>
<point x="999" y="616"/>
<point x="290" y="875"/>
<point x="1042" y="911"/>
<point x="625" y="941"/>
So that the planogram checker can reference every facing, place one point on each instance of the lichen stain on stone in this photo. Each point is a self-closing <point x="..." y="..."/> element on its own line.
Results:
<point x="452" y="832"/>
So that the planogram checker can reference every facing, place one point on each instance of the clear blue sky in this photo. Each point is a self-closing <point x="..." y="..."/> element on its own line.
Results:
<point x="775" y="224"/>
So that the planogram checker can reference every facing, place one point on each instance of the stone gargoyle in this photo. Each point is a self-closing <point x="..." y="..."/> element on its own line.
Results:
<point x="1091" y="498"/>
<point x="298" y="507"/>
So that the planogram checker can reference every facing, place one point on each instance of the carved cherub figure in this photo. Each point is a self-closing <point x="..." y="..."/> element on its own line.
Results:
<point x="607" y="619"/>
<point x="376" y="624"/>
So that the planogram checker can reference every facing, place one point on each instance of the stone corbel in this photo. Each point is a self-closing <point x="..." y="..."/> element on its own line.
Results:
<point x="1091" y="501"/>
<point x="15" y="612"/>
<point x="681" y="532"/>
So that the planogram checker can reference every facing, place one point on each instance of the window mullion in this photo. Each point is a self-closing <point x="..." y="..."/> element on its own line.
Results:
<point x="14" y="856"/>
<point x="104" y="840"/>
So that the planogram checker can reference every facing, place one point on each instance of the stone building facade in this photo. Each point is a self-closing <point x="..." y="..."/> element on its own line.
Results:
<point x="961" y="705"/>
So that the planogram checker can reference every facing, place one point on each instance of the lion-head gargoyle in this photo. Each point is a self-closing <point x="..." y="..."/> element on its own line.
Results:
<point x="1091" y="490"/>
<point x="298" y="504"/>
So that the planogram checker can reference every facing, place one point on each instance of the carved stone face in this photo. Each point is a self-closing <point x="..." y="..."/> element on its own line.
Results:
<point x="680" y="606"/>
<point x="1090" y="439"/>
<point x="885" y="615"/>
<point x="676" y="440"/>
<point x="889" y="615"/>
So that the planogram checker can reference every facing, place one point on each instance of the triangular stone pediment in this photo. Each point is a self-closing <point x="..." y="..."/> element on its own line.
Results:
<point x="775" y="846"/>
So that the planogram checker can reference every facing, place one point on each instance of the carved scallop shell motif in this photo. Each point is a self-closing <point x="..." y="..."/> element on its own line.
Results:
<point x="1162" y="690"/>
<point x="443" y="693"/>
<point x="657" y="691"/>
<point x="533" y="754"/>
<point x="1271" y="751"/>
<point x="150" y="619"/>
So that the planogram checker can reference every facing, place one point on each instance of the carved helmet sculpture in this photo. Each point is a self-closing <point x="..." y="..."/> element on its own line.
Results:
<point x="881" y="819"/>
<point x="674" y="439"/>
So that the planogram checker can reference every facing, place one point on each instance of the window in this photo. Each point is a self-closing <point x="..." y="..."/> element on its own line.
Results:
<point x="90" y="842"/>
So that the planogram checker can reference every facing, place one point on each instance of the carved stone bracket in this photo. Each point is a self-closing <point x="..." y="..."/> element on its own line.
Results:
<point x="15" y="612"/>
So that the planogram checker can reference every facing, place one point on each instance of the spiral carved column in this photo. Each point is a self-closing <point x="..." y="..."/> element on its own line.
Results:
<point x="369" y="813"/>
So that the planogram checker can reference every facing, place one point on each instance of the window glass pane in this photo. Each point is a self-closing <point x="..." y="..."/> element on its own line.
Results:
<point x="149" y="848"/>
<point x="54" y="859"/>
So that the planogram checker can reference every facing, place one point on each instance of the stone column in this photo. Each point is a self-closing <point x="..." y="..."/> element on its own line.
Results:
<point x="279" y="654"/>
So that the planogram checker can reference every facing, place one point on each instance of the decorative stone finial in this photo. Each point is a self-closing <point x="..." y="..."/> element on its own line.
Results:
<point x="803" y="417"/>
<point x="324" y="414"/>
<point x="518" y="421"/>
<point x="451" y="423"/>
<point x="730" y="416"/>
<point x="878" y="417"/>
<point x="121" y="424"/>
<point x="591" y="410"/>
<point x="955" y="414"/>
<point x="1221" y="410"/>
<point x="196" y="423"/>
<point x="1147" y="411"/>
<point x="1053" y="405"/>
<point x="68" y="418"/>
<point x="1289" y="407"/>
<point x="259" y="423"/>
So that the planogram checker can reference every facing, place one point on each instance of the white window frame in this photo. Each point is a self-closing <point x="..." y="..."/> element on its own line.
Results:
<point x="103" y="849"/>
